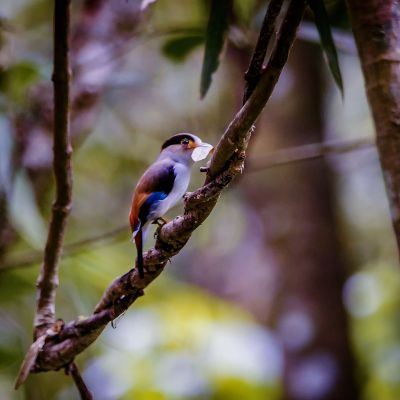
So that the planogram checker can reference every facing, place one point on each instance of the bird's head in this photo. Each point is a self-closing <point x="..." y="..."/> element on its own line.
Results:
<point x="186" y="148"/>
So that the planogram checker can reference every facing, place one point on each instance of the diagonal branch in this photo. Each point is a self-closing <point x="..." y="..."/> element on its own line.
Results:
<point x="243" y="121"/>
<point x="227" y="162"/>
<point x="252" y="75"/>
<point x="48" y="279"/>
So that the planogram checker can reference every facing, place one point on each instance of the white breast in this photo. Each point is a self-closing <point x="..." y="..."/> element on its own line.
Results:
<point x="182" y="178"/>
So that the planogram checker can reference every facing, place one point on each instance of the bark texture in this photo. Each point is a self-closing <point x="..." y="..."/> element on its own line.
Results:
<point x="376" y="27"/>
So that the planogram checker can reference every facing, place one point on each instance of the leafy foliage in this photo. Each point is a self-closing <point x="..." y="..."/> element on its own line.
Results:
<point x="327" y="43"/>
<point x="16" y="79"/>
<point x="218" y="25"/>
<point x="178" y="48"/>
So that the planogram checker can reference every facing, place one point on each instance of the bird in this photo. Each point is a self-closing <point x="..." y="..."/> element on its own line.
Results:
<point x="162" y="185"/>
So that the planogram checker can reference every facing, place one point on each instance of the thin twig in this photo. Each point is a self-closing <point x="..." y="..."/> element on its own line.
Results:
<point x="252" y="75"/>
<point x="33" y="257"/>
<point x="72" y="369"/>
<point x="48" y="279"/>
<point x="307" y="152"/>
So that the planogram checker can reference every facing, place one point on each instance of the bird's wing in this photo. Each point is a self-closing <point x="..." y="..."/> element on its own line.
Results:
<point x="154" y="186"/>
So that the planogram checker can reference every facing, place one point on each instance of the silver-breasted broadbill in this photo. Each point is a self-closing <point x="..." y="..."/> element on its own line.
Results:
<point x="163" y="184"/>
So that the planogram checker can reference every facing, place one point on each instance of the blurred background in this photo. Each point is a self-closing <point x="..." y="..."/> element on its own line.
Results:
<point x="290" y="289"/>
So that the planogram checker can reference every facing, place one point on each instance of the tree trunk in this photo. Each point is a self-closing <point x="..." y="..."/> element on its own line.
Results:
<point x="376" y="27"/>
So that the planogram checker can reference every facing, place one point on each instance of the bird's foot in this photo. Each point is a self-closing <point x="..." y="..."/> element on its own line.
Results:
<point x="160" y="222"/>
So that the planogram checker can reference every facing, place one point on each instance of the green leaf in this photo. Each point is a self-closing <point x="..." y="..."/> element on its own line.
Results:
<point x="218" y="25"/>
<point x="25" y="214"/>
<point x="327" y="43"/>
<point x="244" y="11"/>
<point x="16" y="80"/>
<point x="178" y="48"/>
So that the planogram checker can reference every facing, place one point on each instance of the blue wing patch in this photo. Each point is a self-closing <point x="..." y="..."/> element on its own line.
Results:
<point x="158" y="180"/>
<point x="149" y="205"/>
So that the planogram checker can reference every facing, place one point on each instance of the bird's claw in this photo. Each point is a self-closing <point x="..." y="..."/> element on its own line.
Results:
<point x="160" y="224"/>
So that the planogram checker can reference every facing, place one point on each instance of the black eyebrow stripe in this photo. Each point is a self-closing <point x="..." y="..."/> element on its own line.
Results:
<point x="177" y="139"/>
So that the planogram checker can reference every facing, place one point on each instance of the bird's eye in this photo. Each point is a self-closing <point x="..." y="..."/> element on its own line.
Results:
<point x="185" y="141"/>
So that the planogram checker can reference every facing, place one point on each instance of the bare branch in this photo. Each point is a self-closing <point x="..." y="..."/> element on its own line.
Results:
<point x="246" y="117"/>
<point x="252" y="75"/>
<point x="225" y="165"/>
<point x="48" y="279"/>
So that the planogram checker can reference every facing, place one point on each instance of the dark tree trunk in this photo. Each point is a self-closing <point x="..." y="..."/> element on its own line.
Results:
<point x="376" y="27"/>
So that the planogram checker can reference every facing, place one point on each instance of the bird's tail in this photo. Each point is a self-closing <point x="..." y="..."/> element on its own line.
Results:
<point x="139" y="247"/>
